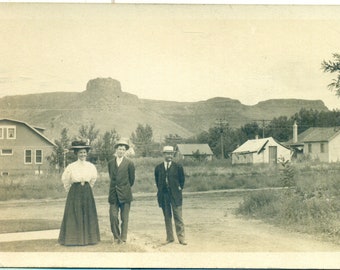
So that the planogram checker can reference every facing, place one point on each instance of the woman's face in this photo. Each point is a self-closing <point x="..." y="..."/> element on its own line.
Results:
<point x="82" y="154"/>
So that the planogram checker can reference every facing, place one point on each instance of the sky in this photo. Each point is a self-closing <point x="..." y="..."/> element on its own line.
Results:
<point x="181" y="53"/>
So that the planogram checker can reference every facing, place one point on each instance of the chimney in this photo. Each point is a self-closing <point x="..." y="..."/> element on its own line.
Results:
<point x="256" y="137"/>
<point x="295" y="132"/>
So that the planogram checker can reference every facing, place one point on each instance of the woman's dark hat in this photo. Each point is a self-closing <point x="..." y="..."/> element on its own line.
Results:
<point x="82" y="144"/>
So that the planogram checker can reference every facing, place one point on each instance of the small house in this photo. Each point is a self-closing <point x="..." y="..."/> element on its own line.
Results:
<point x="194" y="151"/>
<point x="265" y="150"/>
<point x="318" y="143"/>
<point x="23" y="148"/>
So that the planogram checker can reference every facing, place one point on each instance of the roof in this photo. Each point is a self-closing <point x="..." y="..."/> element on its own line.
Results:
<point x="256" y="145"/>
<point x="189" y="149"/>
<point x="317" y="134"/>
<point x="35" y="129"/>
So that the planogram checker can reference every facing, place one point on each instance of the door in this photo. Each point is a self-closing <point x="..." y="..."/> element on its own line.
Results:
<point x="272" y="154"/>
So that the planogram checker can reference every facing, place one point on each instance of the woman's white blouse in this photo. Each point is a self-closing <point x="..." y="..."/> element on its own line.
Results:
<point x="79" y="171"/>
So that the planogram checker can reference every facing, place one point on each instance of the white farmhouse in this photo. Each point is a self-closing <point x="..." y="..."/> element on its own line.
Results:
<point x="319" y="143"/>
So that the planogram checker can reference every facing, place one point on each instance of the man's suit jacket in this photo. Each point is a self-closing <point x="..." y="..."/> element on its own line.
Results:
<point x="122" y="178"/>
<point x="176" y="181"/>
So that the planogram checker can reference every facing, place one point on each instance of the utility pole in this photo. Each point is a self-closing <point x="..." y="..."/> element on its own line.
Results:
<point x="221" y="123"/>
<point x="263" y="121"/>
<point x="64" y="157"/>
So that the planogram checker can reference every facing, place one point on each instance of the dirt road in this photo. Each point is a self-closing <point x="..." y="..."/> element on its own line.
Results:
<point x="211" y="227"/>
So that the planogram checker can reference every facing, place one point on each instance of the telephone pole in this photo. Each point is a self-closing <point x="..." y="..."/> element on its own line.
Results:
<point x="221" y="123"/>
<point x="263" y="121"/>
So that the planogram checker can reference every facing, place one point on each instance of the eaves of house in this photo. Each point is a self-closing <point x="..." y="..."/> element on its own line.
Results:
<point x="35" y="130"/>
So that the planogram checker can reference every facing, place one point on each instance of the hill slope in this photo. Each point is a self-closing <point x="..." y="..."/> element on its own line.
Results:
<point x="105" y="104"/>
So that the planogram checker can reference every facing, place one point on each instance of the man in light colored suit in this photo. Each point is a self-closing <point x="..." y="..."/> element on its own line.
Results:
<point x="169" y="177"/>
<point x="122" y="178"/>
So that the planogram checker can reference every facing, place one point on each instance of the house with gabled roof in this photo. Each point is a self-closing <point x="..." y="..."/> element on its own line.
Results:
<point x="24" y="149"/>
<point x="194" y="150"/>
<point x="256" y="151"/>
<point x="318" y="143"/>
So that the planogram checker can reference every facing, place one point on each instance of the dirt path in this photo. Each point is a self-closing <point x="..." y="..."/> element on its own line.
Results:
<point x="211" y="226"/>
<point x="216" y="238"/>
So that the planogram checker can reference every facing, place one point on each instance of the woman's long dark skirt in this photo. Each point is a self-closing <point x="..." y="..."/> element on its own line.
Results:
<point x="80" y="222"/>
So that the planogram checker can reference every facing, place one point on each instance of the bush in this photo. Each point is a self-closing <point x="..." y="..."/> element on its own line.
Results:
<point x="260" y="204"/>
<point x="313" y="206"/>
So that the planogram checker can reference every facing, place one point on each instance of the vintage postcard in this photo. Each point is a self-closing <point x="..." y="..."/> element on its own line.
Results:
<point x="214" y="90"/>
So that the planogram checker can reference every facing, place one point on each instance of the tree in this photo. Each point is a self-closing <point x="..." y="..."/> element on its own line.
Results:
<point x="142" y="139"/>
<point x="198" y="156"/>
<point x="59" y="156"/>
<point x="333" y="67"/>
<point x="203" y="137"/>
<point x="280" y="128"/>
<point x="106" y="145"/>
<point x="173" y="139"/>
<point x="250" y="130"/>
<point x="89" y="132"/>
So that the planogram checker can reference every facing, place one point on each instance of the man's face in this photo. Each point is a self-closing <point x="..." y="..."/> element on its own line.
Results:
<point x="168" y="156"/>
<point x="120" y="151"/>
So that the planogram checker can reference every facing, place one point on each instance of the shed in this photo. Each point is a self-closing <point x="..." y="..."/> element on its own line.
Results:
<point x="203" y="151"/>
<point x="265" y="150"/>
<point x="23" y="148"/>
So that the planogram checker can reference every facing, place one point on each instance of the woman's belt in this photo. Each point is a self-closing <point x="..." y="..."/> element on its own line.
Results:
<point x="80" y="183"/>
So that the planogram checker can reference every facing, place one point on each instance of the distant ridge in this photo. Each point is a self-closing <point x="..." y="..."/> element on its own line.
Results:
<point x="105" y="104"/>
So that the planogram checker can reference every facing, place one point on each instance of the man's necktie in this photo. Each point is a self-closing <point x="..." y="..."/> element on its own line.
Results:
<point x="167" y="174"/>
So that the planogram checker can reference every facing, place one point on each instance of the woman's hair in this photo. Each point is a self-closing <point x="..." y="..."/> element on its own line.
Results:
<point x="77" y="150"/>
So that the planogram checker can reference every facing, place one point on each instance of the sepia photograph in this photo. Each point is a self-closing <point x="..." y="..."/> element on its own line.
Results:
<point x="169" y="136"/>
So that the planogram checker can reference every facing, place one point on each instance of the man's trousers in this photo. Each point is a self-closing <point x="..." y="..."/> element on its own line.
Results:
<point x="119" y="234"/>
<point x="168" y="208"/>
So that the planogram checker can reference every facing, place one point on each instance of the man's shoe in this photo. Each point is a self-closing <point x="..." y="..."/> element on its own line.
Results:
<point x="168" y="242"/>
<point x="182" y="242"/>
<point x="115" y="242"/>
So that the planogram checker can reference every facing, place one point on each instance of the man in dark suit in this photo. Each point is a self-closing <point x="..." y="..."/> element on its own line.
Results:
<point x="122" y="178"/>
<point x="170" y="179"/>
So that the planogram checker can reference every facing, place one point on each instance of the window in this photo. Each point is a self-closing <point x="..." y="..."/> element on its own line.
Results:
<point x="28" y="156"/>
<point x="309" y="148"/>
<point x="38" y="156"/>
<point x="8" y="132"/>
<point x="322" y="147"/>
<point x="6" y="152"/>
<point x="11" y="133"/>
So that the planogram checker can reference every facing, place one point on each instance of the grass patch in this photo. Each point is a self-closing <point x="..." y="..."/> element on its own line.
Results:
<point x="312" y="206"/>
<point x="25" y="225"/>
<point x="200" y="176"/>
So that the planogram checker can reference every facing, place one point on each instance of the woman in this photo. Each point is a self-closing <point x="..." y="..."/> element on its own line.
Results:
<point x="80" y="221"/>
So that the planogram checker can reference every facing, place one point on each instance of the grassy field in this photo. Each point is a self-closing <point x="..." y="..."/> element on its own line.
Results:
<point x="311" y="203"/>
<point x="200" y="176"/>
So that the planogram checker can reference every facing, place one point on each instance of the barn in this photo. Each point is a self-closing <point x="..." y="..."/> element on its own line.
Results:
<point x="192" y="151"/>
<point x="265" y="150"/>
<point x="23" y="148"/>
